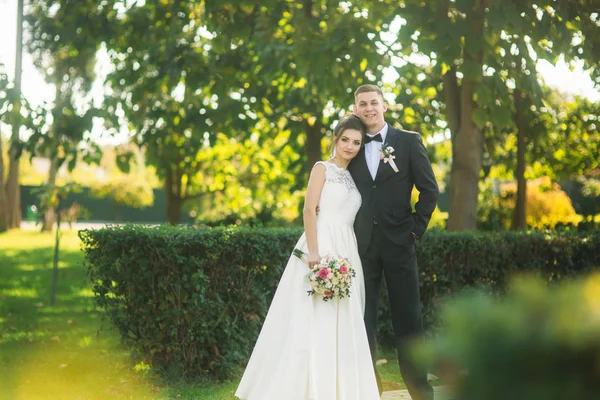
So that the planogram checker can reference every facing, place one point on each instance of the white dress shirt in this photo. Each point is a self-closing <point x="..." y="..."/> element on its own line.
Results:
<point x="373" y="151"/>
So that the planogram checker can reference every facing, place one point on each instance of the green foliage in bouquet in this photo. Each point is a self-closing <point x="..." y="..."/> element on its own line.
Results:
<point x="541" y="342"/>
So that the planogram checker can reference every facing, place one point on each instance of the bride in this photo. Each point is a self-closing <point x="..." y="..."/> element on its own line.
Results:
<point x="309" y="349"/>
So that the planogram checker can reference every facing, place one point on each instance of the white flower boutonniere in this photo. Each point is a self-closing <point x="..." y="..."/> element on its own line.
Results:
<point x="387" y="156"/>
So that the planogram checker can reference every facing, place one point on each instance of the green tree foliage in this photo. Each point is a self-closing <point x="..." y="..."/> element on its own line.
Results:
<point x="299" y="62"/>
<point x="3" y="197"/>
<point x="15" y="110"/>
<point x="161" y="86"/>
<point x="571" y="141"/>
<point x="187" y="72"/>
<point x="480" y="50"/>
<point x="194" y="81"/>
<point x="248" y="181"/>
<point x="13" y="194"/>
<point x="63" y="39"/>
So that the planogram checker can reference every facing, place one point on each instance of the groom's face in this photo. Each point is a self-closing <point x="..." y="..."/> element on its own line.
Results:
<point x="370" y="107"/>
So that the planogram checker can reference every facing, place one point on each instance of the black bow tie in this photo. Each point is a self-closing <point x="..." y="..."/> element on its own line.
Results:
<point x="376" y="138"/>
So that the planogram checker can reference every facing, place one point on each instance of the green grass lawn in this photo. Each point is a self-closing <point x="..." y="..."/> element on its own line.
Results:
<point x="66" y="351"/>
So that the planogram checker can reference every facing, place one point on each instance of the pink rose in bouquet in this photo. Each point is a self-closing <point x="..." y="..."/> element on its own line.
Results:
<point x="331" y="278"/>
<point x="322" y="273"/>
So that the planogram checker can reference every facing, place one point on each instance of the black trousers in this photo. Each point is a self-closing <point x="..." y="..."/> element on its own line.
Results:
<point x="398" y="264"/>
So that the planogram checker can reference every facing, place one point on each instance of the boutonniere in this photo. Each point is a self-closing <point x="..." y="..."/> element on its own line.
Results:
<point x="387" y="156"/>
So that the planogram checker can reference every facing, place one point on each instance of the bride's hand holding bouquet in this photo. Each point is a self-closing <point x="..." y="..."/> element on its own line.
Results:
<point x="330" y="276"/>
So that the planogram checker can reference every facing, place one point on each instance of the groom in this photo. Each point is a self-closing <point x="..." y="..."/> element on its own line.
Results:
<point x="386" y="228"/>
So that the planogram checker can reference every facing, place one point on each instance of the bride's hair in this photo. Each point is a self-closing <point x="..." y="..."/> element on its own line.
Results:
<point x="350" y="121"/>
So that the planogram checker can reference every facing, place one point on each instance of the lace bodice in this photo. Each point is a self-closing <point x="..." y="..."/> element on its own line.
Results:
<point x="340" y="199"/>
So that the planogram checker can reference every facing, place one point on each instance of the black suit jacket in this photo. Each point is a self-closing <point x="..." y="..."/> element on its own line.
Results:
<point x="386" y="199"/>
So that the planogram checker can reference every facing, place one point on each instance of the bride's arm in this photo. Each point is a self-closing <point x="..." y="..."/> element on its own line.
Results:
<point x="313" y="194"/>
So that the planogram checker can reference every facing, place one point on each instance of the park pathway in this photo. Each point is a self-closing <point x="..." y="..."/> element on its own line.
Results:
<point x="403" y="394"/>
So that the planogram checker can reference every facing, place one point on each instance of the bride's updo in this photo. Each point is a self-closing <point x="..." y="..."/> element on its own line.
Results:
<point x="350" y="121"/>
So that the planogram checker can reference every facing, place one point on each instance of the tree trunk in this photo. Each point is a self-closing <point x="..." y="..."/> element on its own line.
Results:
<point x="173" y="196"/>
<point x="13" y="190"/>
<point x="452" y="99"/>
<point x="117" y="212"/>
<point x="55" y="264"/>
<point x="3" y="204"/>
<point x="50" y="214"/>
<point x="520" y="213"/>
<point x="466" y="159"/>
<point x="174" y="207"/>
<point x="466" y="164"/>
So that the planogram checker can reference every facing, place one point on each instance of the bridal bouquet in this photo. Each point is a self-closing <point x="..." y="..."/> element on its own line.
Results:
<point x="331" y="277"/>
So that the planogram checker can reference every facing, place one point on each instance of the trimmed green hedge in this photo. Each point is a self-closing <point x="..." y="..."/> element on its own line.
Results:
<point x="191" y="302"/>
<point x="450" y="262"/>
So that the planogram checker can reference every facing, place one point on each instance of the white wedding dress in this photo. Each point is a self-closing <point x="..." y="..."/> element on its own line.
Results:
<point x="309" y="349"/>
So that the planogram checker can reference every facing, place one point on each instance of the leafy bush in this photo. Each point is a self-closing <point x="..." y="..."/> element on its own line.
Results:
<point x="584" y="192"/>
<point x="493" y="210"/>
<point x="539" y="343"/>
<point x="191" y="302"/>
<point x="450" y="262"/>
<point x="547" y="206"/>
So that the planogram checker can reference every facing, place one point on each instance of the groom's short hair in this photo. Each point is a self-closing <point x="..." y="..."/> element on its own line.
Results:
<point x="367" y="89"/>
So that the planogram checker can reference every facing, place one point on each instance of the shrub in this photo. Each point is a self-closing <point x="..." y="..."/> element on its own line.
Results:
<point x="191" y="302"/>
<point x="539" y="343"/>
<point x="450" y="262"/>
<point x="547" y="206"/>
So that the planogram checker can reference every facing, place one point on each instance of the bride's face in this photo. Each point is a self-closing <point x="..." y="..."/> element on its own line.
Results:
<point x="348" y="146"/>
